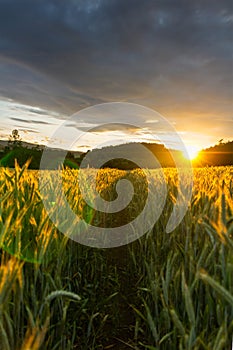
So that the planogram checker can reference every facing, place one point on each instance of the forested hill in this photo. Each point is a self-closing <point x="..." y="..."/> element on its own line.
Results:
<point x="220" y="154"/>
<point x="132" y="155"/>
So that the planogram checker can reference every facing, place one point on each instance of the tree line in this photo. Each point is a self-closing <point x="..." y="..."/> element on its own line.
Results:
<point x="220" y="154"/>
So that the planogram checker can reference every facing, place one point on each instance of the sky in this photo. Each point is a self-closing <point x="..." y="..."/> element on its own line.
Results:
<point x="173" y="56"/>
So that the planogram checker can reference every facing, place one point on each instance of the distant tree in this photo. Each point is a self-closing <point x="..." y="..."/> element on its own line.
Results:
<point x="14" y="139"/>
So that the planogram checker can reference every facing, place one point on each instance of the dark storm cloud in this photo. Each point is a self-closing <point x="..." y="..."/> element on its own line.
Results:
<point x="84" y="52"/>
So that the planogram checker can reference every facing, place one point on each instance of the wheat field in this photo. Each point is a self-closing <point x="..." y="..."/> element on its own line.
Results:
<point x="163" y="291"/>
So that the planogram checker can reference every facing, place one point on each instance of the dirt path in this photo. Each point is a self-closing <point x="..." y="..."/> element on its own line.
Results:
<point x="124" y="335"/>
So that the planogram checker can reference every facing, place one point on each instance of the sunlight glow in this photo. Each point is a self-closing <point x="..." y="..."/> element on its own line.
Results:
<point x="192" y="152"/>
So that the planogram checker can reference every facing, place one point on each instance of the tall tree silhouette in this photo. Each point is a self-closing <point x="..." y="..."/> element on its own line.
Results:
<point x="14" y="139"/>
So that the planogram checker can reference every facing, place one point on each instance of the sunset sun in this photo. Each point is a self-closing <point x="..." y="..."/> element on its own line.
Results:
<point x="191" y="152"/>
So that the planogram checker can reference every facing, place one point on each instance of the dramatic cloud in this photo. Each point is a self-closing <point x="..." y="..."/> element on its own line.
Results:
<point x="30" y="121"/>
<point x="171" y="55"/>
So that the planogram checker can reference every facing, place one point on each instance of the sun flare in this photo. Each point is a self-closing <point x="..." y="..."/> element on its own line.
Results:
<point x="191" y="152"/>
